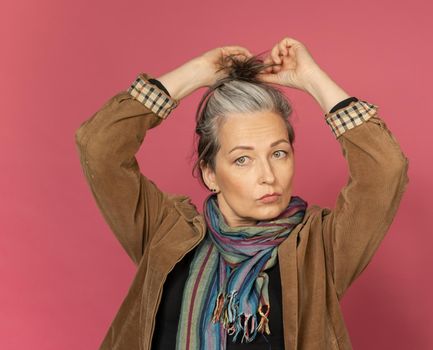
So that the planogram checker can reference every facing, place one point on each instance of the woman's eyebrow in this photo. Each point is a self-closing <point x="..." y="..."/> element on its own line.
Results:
<point x="250" y="147"/>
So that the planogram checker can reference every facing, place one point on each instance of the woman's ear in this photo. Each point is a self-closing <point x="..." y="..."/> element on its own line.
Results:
<point x="208" y="175"/>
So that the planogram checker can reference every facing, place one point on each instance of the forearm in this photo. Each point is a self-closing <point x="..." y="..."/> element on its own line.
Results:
<point x="368" y="203"/>
<point x="185" y="79"/>
<point x="324" y="90"/>
<point x="107" y="143"/>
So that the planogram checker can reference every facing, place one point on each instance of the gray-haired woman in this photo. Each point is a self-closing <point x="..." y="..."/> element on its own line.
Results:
<point x="259" y="268"/>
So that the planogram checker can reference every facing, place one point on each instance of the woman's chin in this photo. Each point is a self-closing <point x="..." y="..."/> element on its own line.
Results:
<point x="269" y="211"/>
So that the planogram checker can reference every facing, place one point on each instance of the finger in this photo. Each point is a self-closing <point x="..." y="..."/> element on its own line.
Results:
<point x="267" y="61"/>
<point x="268" y="69"/>
<point x="276" y="69"/>
<point x="243" y="52"/>
<point x="267" y="78"/>
<point x="240" y="50"/>
<point x="289" y="41"/>
<point x="283" y="48"/>
<point x="275" y="54"/>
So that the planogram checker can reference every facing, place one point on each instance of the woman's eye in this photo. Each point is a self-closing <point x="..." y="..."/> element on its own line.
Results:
<point x="239" y="161"/>
<point x="284" y="152"/>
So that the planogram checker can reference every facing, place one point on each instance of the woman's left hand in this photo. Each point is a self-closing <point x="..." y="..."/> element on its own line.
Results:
<point x="293" y="65"/>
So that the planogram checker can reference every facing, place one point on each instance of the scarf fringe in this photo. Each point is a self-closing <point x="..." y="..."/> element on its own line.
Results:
<point x="264" y="320"/>
<point x="218" y="308"/>
<point x="226" y="312"/>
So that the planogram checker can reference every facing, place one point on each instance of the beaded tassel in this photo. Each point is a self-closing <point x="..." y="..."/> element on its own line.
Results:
<point x="230" y="312"/>
<point x="264" y="321"/>
<point x="218" y="308"/>
<point x="249" y="336"/>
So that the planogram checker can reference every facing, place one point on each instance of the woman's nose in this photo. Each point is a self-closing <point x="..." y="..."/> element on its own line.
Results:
<point x="266" y="173"/>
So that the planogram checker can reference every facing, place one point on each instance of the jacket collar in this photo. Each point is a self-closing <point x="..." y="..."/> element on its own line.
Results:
<point x="185" y="207"/>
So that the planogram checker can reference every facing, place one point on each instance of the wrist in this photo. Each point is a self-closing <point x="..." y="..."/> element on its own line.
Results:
<point x="324" y="90"/>
<point x="183" y="80"/>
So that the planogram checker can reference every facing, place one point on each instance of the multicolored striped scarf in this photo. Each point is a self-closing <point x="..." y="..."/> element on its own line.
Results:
<point x="227" y="284"/>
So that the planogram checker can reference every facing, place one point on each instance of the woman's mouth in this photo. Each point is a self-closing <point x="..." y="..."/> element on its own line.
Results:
<point x="270" y="198"/>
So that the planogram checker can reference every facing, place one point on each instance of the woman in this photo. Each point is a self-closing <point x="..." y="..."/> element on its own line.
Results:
<point x="260" y="268"/>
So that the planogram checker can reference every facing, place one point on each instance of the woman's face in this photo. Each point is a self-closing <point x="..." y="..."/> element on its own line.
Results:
<point x="255" y="159"/>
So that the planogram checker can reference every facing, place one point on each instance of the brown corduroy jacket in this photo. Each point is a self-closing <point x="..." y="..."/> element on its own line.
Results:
<point x="318" y="261"/>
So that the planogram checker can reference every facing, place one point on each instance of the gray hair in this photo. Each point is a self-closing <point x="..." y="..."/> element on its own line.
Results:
<point x="234" y="96"/>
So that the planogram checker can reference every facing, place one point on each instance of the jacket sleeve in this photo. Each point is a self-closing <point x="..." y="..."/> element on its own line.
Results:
<point x="132" y="205"/>
<point x="367" y="204"/>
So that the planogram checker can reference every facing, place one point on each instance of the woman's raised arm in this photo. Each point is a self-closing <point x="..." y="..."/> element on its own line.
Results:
<point x="132" y="205"/>
<point x="366" y="206"/>
<point x="368" y="203"/>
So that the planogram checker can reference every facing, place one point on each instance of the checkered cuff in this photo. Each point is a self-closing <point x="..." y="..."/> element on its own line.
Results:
<point x="349" y="117"/>
<point x="151" y="96"/>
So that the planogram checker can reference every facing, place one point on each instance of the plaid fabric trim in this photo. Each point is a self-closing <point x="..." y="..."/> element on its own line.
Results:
<point x="151" y="96"/>
<point x="349" y="117"/>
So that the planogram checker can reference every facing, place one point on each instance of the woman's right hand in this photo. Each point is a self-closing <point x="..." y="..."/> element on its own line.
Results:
<point x="201" y="71"/>
<point x="211" y="59"/>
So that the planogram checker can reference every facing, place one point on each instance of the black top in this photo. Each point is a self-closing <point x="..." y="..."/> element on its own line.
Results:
<point x="167" y="317"/>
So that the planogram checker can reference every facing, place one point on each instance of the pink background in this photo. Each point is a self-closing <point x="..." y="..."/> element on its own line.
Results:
<point x="63" y="275"/>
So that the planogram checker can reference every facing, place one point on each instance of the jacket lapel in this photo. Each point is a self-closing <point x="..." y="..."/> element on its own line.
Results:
<point x="287" y="259"/>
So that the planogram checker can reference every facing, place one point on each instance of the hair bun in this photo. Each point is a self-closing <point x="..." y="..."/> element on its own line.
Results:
<point x="240" y="67"/>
